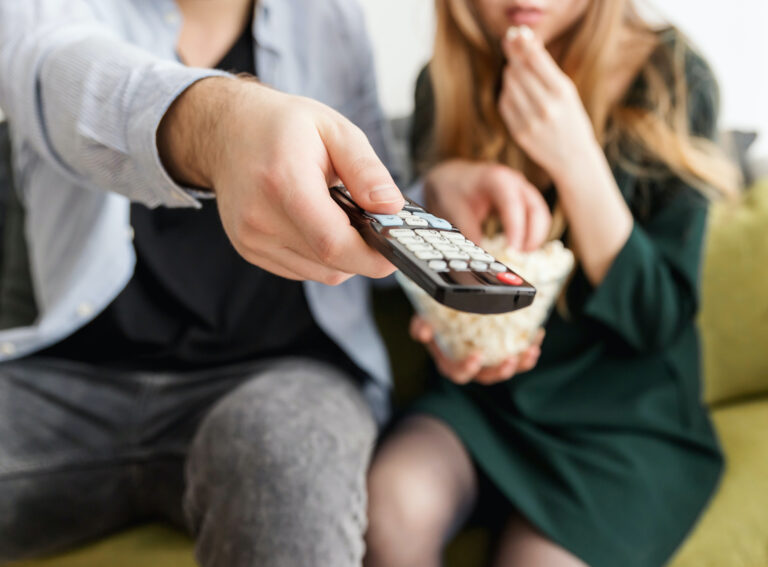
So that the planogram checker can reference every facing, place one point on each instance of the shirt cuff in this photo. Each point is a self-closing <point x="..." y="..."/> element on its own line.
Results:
<point x="166" y="82"/>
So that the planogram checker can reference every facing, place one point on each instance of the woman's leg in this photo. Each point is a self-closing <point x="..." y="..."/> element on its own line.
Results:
<point x="521" y="545"/>
<point x="421" y="487"/>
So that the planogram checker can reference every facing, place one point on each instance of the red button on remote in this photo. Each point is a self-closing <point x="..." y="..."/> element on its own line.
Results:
<point x="509" y="279"/>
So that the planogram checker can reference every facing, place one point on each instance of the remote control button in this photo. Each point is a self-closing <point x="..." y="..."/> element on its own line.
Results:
<point x="419" y="247"/>
<point x="434" y="221"/>
<point x="466" y="246"/>
<point x="414" y="221"/>
<point x="458" y="265"/>
<point x="399" y="232"/>
<point x="406" y="240"/>
<point x="438" y="265"/>
<point x="478" y="266"/>
<point x="404" y="214"/>
<point x="457" y="236"/>
<point x="428" y="255"/>
<point x="445" y="246"/>
<point x="481" y="257"/>
<point x="498" y="267"/>
<point x="388" y="220"/>
<point x="426" y="232"/>
<point x="509" y="279"/>
<point x="456" y="256"/>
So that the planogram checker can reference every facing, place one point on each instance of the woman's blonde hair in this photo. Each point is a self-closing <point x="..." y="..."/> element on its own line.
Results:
<point x="466" y="72"/>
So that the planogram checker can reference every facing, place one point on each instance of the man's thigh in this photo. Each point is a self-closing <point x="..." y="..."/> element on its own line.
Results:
<point x="64" y="430"/>
<point x="276" y="471"/>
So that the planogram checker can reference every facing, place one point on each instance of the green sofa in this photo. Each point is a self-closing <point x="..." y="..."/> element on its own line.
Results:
<point x="734" y="326"/>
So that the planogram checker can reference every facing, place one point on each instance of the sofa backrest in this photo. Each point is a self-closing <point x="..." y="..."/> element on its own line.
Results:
<point x="734" y="311"/>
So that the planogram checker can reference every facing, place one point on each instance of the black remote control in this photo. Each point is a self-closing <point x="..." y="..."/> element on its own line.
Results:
<point x="435" y="255"/>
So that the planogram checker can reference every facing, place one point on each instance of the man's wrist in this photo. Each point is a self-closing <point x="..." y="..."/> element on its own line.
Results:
<point x="188" y="137"/>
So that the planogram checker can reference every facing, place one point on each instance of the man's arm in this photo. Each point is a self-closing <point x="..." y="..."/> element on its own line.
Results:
<point x="87" y="101"/>
<point x="96" y="107"/>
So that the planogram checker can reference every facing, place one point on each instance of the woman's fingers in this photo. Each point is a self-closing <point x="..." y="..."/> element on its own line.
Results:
<point x="532" y="90"/>
<point x="529" y="359"/>
<point x="528" y="51"/>
<point x="539" y="220"/>
<point x="499" y="373"/>
<point x="420" y="330"/>
<point x="458" y="371"/>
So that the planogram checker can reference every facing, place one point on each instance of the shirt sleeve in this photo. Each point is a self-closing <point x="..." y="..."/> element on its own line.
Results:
<point x="368" y="114"/>
<point x="87" y="101"/>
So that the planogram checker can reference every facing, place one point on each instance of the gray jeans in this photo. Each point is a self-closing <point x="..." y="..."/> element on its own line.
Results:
<point x="264" y="463"/>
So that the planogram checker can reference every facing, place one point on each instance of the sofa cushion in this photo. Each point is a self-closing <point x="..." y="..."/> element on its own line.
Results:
<point x="734" y="314"/>
<point x="146" y="546"/>
<point x="733" y="532"/>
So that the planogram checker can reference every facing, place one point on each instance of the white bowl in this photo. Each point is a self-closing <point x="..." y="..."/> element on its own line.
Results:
<point x="498" y="337"/>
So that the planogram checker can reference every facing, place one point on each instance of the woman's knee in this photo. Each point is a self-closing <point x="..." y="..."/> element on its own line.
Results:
<point x="420" y="487"/>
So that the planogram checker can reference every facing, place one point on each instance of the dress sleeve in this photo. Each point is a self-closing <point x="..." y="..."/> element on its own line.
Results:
<point x="651" y="292"/>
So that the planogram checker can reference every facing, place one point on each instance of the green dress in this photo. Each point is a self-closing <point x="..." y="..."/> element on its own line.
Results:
<point x="606" y="446"/>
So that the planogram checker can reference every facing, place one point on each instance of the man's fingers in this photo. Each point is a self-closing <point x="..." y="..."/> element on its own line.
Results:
<point x="359" y="168"/>
<point x="327" y="232"/>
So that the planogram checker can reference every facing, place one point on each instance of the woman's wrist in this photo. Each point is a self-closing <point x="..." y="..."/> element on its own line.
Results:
<point x="569" y="170"/>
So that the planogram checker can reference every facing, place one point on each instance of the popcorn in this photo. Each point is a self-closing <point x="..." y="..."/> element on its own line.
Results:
<point x="498" y="337"/>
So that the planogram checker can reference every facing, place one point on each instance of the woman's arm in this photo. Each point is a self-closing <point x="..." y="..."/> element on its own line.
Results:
<point x="645" y="277"/>
<point x="545" y="115"/>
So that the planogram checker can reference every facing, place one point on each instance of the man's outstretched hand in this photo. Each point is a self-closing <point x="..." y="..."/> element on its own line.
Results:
<point x="270" y="158"/>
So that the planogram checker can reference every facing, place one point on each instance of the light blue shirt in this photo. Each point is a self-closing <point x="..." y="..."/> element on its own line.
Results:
<point x="85" y="84"/>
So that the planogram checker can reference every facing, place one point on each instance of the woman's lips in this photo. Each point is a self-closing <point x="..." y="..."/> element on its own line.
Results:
<point x="522" y="16"/>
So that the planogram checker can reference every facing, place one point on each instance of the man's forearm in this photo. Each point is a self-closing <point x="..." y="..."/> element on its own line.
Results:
<point x="188" y="138"/>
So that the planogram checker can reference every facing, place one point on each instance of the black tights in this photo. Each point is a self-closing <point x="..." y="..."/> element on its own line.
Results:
<point x="422" y="488"/>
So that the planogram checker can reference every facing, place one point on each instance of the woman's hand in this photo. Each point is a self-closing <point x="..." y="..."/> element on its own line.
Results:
<point x="541" y="107"/>
<point x="467" y="192"/>
<point x="471" y="368"/>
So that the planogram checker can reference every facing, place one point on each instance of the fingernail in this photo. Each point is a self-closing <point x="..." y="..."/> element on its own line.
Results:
<point x="526" y="32"/>
<point x="512" y="33"/>
<point x="385" y="194"/>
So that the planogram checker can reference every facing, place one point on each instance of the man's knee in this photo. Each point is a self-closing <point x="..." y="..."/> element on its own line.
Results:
<point x="279" y="464"/>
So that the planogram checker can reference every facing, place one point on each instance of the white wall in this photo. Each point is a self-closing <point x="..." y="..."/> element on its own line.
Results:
<point x="732" y="36"/>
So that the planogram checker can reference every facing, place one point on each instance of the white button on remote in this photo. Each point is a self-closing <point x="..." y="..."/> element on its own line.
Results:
<point x="426" y="232"/>
<point x="478" y="266"/>
<point x="400" y="232"/>
<point x="416" y="221"/>
<point x="410" y="240"/>
<point x="438" y="265"/>
<point x="429" y="255"/>
<point x="458" y="265"/>
<point x="456" y="256"/>
<point x="498" y="267"/>
<point x="454" y="236"/>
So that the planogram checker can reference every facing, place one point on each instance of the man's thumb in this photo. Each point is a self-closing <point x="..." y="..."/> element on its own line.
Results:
<point x="360" y="169"/>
